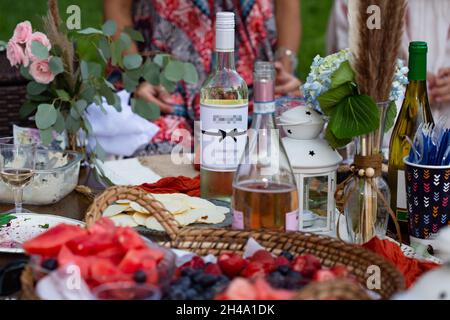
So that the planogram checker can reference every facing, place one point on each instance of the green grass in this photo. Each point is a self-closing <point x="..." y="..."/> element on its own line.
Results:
<point x="314" y="22"/>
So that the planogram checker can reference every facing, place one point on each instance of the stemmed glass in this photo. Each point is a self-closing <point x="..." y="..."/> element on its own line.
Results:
<point x="17" y="165"/>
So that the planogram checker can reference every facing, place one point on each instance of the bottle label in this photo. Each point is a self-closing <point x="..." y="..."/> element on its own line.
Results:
<point x="223" y="130"/>
<point x="238" y="220"/>
<point x="292" y="221"/>
<point x="264" y="107"/>
<point x="401" y="196"/>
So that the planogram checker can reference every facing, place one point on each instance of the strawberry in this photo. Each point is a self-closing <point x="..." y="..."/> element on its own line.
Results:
<point x="262" y="256"/>
<point x="213" y="268"/>
<point x="231" y="264"/>
<point x="339" y="271"/>
<point x="324" y="275"/>
<point x="306" y="264"/>
<point x="281" y="261"/>
<point x="254" y="269"/>
<point x="196" y="262"/>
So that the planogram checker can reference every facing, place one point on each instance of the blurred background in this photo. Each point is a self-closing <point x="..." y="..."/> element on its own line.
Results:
<point x="314" y="22"/>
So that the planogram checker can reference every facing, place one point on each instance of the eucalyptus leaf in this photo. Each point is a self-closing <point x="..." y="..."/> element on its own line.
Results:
<point x="128" y="83"/>
<point x="46" y="135"/>
<point x="74" y="113"/>
<point x="25" y="72"/>
<point x="81" y="106"/>
<point x="27" y="109"/>
<point x="107" y="93"/>
<point x="342" y="75"/>
<point x="151" y="72"/>
<point x="60" y="124"/>
<point x="174" y="71"/>
<point x="72" y="125"/>
<point x="354" y="116"/>
<point x="161" y="59"/>
<point x="135" y="74"/>
<point x="56" y="65"/>
<point x="149" y="111"/>
<point x="100" y="152"/>
<point x="132" y="61"/>
<point x="109" y="84"/>
<point x="116" y="53"/>
<point x="117" y="103"/>
<point x="62" y="94"/>
<point x="45" y="116"/>
<point x="332" y="97"/>
<point x="88" y="94"/>
<point x="190" y="73"/>
<point x="34" y="88"/>
<point x="90" y="31"/>
<point x="170" y="86"/>
<point x="125" y="41"/>
<point x="391" y="113"/>
<point x="109" y="28"/>
<point x="84" y="70"/>
<point x="39" y="50"/>
<point x="88" y="126"/>
<point x="104" y="49"/>
<point x="134" y="34"/>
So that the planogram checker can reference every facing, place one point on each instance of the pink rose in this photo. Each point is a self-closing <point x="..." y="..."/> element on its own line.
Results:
<point x="38" y="37"/>
<point x="15" y="54"/>
<point x="40" y="71"/>
<point x="23" y="32"/>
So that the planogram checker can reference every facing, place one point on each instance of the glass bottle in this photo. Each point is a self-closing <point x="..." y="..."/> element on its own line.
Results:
<point x="223" y="116"/>
<point x="264" y="189"/>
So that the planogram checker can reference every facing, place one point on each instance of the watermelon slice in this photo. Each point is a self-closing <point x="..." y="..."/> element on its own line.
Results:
<point x="129" y="239"/>
<point x="50" y="242"/>
<point x="104" y="225"/>
<point x="90" y="244"/>
<point x="66" y="257"/>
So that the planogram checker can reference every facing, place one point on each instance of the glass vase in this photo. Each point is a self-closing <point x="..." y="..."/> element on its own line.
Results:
<point x="367" y="198"/>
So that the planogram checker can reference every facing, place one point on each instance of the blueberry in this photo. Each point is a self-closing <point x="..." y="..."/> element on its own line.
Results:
<point x="191" y="294"/>
<point x="223" y="279"/>
<point x="294" y="277"/>
<point x="50" y="264"/>
<point x="183" y="282"/>
<point x="283" y="269"/>
<point x="207" y="280"/>
<point x="198" y="277"/>
<point x="188" y="271"/>
<point x="198" y="287"/>
<point x="139" y="276"/>
<point x="209" y="294"/>
<point x="276" y="279"/>
<point x="177" y="294"/>
<point x="287" y="255"/>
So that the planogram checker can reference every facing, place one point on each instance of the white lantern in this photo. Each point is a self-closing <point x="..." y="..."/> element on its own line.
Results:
<point x="314" y="164"/>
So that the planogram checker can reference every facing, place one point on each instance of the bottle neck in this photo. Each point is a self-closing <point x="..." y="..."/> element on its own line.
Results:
<point x="224" y="60"/>
<point x="417" y="65"/>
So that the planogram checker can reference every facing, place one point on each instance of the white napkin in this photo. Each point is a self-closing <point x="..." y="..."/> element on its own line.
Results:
<point x="119" y="133"/>
<point x="128" y="172"/>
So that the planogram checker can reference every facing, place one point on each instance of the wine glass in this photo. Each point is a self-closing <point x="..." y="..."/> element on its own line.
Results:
<point x="17" y="165"/>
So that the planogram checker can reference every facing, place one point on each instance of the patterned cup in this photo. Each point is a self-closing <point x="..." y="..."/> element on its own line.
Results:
<point x="427" y="194"/>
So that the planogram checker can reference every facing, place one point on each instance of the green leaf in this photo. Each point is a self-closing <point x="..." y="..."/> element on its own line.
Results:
<point x="99" y="151"/>
<point x="81" y="106"/>
<point x="88" y="94"/>
<point x="132" y="61"/>
<point x="391" y="113"/>
<point x="190" y="73"/>
<point x="25" y="72"/>
<point x="90" y="31"/>
<point x="170" y="86"/>
<point x="161" y="59"/>
<point x="45" y="116"/>
<point x="354" y="116"/>
<point x="174" y="71"/>
<point x="39" y="98"/>
<point x="39" y="50"/>
<point x="109" y="28"/>
<point x="342" y="75"/>
<point x="109" y="84"/>
<point x="90" y="69"/>
<point x="46" y="135"/>
<point x="74" y="113"/>
<point x="134" y="34"/>
<point x="84" y="70"/>
<point x="334" y="141"/>
<point x="128" y="83"/>
<point x="60" y="124"/>
<point x="151" y="72"/>
<point x="135" y="74"/>
<point x="34" y="88"/>
<point x="72" y="125"/>
<point x="125" y="41"/>
<point x="117" y="103"/>
<point x="56" y="65"/>
<point x="332" y="97"/>
<point x="27" y="108"/>
<point x="88" y="126"/>
<point x="107" y="93"/>
<point x="62" y="94"/>
<point x="116" y="53"/>
<point x="104" y="49"/>
<point x="6" y="218"/>
<point x="146" y="110"/>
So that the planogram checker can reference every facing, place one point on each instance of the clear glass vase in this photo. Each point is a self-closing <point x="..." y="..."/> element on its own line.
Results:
<point x="367" y="199"/>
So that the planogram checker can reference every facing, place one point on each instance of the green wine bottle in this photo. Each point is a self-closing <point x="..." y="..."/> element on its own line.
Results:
<point x="415" y="110"/>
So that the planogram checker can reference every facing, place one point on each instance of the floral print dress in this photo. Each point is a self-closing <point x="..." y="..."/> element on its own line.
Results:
<point x="185" y="29"/>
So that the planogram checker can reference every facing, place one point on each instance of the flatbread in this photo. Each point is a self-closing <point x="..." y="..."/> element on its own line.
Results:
<point x="138" y="208"/>
<point x="124" y="220"/>
<point x="114" y="209"/>
<point x="140" y="218"/>
<point x="208" y="215"/>
<point x="196" y="202"/>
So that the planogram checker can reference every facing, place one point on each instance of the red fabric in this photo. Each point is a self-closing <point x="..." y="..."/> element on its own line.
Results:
<point x="410" y="268"/>
<point x="180" y="184"/>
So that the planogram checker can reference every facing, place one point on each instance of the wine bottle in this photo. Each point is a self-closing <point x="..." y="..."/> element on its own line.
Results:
<point x="264" y="189"/>
<point x="414" y="111"/>
<point x="223" y="116"/>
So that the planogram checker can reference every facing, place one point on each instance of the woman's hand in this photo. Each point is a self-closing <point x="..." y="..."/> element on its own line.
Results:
<point x="285" y="82"/>
<point x="440" y="86"/>
<point x="155" y="94"/>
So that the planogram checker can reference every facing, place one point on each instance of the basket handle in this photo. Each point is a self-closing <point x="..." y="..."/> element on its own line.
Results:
<point x="156" y="208"/>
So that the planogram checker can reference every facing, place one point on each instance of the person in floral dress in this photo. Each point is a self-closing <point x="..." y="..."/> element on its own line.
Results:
<point x="185" y="29"/>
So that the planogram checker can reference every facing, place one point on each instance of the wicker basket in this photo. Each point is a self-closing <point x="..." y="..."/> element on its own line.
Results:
<point x="12" y="96"/>
<point x="215" y="241"/>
